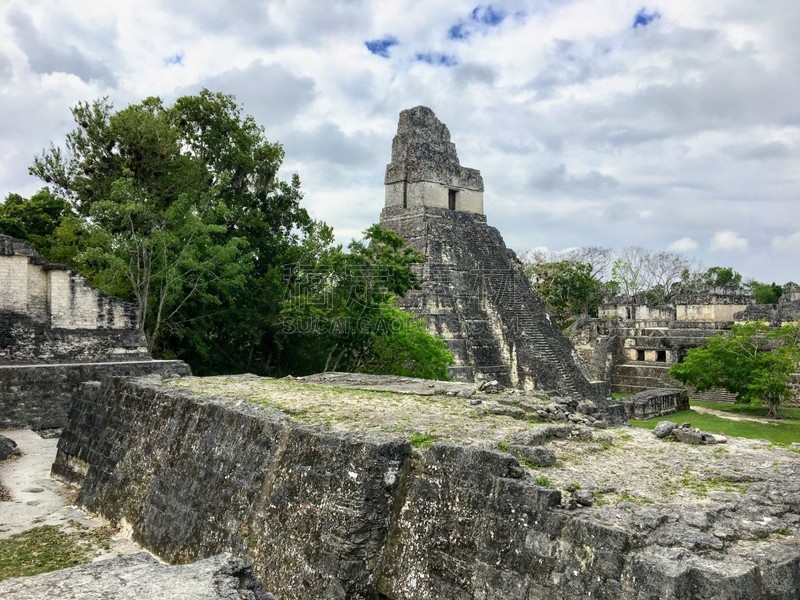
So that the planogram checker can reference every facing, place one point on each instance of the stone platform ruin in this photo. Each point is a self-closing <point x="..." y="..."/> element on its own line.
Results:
<point x="633" y="344"/>
<point x="348" y="494"/>
<point x="474" y="293"/>
<point x="57" y="331"/>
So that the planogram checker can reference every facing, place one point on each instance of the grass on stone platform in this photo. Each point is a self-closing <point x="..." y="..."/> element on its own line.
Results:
<point x="49" y="548"/>
<point x="780" y="431"/>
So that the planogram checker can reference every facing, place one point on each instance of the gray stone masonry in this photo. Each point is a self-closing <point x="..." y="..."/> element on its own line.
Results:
<point x="475" y="295"/>
<point x="656" y="403"/>
<point x="141" y="577"/>
<point x="425" y="170"/>
<point x="38" y="396"/>
<point x="56" y="332"/>
<point x="341" y="514"/>
<point x="50" y="314"/>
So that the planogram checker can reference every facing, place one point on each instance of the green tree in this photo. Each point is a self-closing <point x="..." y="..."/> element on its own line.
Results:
<point x="753" y="361"/>
<point x="180" y="210"/>
<point x="765" y="293"/>
<point x="567" y="288"/>
<point x="721" y="276"/>
<point x="340" y="312"/>
<point x="35" y="219"/>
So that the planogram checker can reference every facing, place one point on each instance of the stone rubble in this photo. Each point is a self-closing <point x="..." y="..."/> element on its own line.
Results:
<point x="8" y="448"/>
<point x="684" y="433"/>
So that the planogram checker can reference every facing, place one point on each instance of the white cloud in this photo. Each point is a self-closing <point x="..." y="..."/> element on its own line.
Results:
<point x="684" y="244"/>
<point x="788" y="244"/>
<point x="587" y="131"/>
<point x="729" y="241"/>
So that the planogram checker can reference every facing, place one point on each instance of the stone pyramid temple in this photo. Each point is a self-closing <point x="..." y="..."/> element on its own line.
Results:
<point x="474" y="292"/>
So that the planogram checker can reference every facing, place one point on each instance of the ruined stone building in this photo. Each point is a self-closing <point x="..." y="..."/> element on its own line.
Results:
<point x="57" y="331"/>
<point x="474" y="293"/>
<point x="632" y="344"/>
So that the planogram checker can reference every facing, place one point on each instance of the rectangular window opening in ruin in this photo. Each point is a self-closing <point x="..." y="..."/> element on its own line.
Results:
<point x="640" y="355"/>
<point x="661" y="356"/>
<point x="451" y="199"/>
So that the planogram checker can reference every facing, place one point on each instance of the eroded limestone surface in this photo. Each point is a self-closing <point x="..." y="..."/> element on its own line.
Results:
<point x="312" y="484"/>
<point x="141" y="577"/>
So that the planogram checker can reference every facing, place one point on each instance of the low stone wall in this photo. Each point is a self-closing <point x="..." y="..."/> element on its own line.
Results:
<point x="656" y="403"/>
<point x="38" y="396"/>
<point x="23" y="341"/>
<point x="356" y="515"/>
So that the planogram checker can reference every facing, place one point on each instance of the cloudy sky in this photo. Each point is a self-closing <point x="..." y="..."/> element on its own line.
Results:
<point x="670" y="125"/>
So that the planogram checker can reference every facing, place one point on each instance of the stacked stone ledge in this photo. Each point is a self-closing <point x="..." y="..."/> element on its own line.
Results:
<point x="344" y="514"/>
<point x="56" y="331"/>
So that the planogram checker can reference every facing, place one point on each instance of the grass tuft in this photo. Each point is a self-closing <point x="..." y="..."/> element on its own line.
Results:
<point x="422" y="440"/>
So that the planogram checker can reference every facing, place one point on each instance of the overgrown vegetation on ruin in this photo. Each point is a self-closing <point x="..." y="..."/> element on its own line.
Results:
<point x="420" y="419"/>
<point x="753" y="361"/>
<point x="574" y="283"/>
<point x="180" y="210"/>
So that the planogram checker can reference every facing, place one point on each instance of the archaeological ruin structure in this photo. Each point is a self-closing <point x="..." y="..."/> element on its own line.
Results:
<point x="632" y="344"/>
<point x="57" y="331"/>
<point x="355" y="487"/>
<point x="474" y="293"/>
<point x="357" y="511"/>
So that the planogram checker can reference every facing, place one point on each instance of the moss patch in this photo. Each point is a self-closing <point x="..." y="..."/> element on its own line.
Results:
<point x="446" y="418"/>
<point x="49" y="548"/>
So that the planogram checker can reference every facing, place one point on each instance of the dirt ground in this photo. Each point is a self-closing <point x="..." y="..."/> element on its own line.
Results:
<point x="36" y="499"/>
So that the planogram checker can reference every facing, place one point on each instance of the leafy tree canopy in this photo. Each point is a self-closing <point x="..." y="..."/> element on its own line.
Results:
<point x="754" y="362"/>
<point x="721" y="276"/>
<point x="765" y="293"/>
<point x="567" y="288"/>
<point x="35" y="219"/>
<point x="180" y="209"/>
<point x="340" y="314"/>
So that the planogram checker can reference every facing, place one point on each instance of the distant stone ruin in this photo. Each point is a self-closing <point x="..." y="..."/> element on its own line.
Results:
<point x="474" y="293"/>
<point x="57" y="331"/>
<point x="632" y="344"/>
<point x="50" y="314"/>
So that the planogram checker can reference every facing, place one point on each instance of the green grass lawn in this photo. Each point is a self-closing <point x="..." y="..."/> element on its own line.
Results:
<point x="783" y="431"/>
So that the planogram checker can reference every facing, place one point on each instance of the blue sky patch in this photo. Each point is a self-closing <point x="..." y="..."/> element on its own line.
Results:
<point x="644" y="18"/>
<point x="487" y="15"/>
<point x="175" y="59"/>
<point x="436" y="58"/>
<point x="381" y="47"/>
<point x="458" y="32"/>
<point x="479" y="17"/>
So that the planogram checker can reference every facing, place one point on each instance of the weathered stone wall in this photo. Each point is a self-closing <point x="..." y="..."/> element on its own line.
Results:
<point x="635" y="311"/>
<point x="39" y="396"/>
<point x="712" y="304"/>
<point x="476" y="296"/>
<point x="656" y="403"/>
<point x="194" y="477"/>
<point x="327" y="514"/>
<point x="425" y="169"/>
<point x="786" y="311"/>
<point x="426" y="193"/>
<point x="49" y="314"/>
<point x="597" y="344"/>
